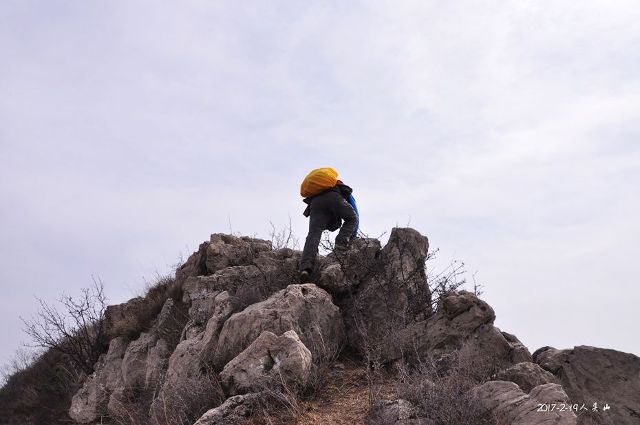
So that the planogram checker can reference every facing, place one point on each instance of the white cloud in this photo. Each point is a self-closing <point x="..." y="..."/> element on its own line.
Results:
<point x="506" y="131"/>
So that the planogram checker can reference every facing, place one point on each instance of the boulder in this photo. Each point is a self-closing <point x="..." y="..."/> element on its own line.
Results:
<point x="510" y="405"/>
<point x="462" y="324"/>
<point x="457" y="317"/>
<point x="395" y="412"/>
<point x="234" y="411"/>
<point x="490" y="347"/>
<point x="306" y="309"/>
<point x="527" y="375"/>
<point x="597" y="375"/>
<point x="269" y="362"/>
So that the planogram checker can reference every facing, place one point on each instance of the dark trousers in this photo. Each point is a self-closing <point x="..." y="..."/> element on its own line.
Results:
<point x="327" y="208"/>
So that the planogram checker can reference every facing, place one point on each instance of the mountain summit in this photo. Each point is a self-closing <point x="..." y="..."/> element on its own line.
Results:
<point x="234" y="339"/>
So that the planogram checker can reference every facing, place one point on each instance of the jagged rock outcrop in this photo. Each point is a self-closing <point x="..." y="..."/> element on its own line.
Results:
<point x="387" y="288"/>
<point x="90" y="402"/>
<point x="597" y="375"/>
<point x="190" y="364"/>
<point x="462" y="324"/>
<point x="342" y="274"/>
<point x="220" y="252"/>
<point x="236" y="321"/>
<point x="304" y="308"/>
<point x="510" y="405"/>
<point x="128" y="367"/>
<point x="271" y="361"/>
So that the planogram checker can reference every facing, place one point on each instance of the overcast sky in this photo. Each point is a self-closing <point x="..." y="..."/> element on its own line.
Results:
<point x="505" y="131"/>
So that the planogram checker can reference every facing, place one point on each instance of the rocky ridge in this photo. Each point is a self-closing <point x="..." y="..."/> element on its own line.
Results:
<point x="242" y="328"/>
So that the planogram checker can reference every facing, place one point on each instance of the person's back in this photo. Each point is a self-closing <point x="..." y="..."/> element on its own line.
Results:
<point x="326" y="211"/>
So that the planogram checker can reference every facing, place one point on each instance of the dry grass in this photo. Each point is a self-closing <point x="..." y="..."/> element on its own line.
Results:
<point x="140" y="318"/>
<point x="441" y="389"/>
<point x="347" y="397"/>
<point x="344" y="400"/>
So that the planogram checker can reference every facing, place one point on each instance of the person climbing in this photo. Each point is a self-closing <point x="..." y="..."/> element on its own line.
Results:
<point x="329" y="202"/>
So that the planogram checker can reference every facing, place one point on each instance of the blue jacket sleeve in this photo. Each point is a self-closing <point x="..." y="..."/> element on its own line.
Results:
<point x="352" y="202"/>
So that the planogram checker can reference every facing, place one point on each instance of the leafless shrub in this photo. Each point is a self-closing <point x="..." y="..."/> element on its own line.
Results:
<point x="325" y="355"/>
<point x="182" y="404"/>
<point x="40" y="390"/>
<point x="22" y="359"/>
<point x="278" y="404"/>
<point x="441" y="391"/>
<point x="589" y="417"/>
<point x="75" y="329"/>
<point x="445" y="281"/>
<point x="283" y="238"/>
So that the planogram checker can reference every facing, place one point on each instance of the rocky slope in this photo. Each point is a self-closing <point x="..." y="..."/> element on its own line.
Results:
<point x="242" y="332"/>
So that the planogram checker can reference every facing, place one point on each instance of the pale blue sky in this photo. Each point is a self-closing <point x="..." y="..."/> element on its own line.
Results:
<point x="506" y="131"/>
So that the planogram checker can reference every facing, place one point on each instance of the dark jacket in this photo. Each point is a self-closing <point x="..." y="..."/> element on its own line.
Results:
<point x="346" y="193"/>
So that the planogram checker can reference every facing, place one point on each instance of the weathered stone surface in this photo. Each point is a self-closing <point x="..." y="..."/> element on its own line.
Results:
<point x="234" y="411"/>
<point x="332" y="278"/>
<point x="510" y="405"/>
<point x="489" y="346"/>
<point x="527" y="375"/>
<point x="195" y="264"/>
<point x="380" y="293"/>
<point x="195" y="353"/>
<point x="169" y="323"/>
<point x="134" y="362"/>
<point x="128" y="367"/>
<point x="463" y="323"/>
<point x="306" y="309"/>
<point x="199" y="313"/>
<point x="391" y="291"/>
<point x="221" y="251"/>
<point x="90" y="402"/>
<point x="342" y="274"/>
<point x="395" y="412"/>
<point x="228" y="250"/>
<point x="267" y="273"/>
<point x="190" y="364"/>
<point x="157" y="361"/>
<point x="597" y="375"/>
<point x="457" y="317"/>
<point x="120" y="316"/>
<point x="271" y="361"/>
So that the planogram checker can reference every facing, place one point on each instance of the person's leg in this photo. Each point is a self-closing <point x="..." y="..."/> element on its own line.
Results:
<point x="317" y="224"/>
<point x="345" y="211"/>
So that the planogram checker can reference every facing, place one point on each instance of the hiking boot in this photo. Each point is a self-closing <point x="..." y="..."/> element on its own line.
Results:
<point x="340" y="248"/>
<point x="305" y="276"/>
